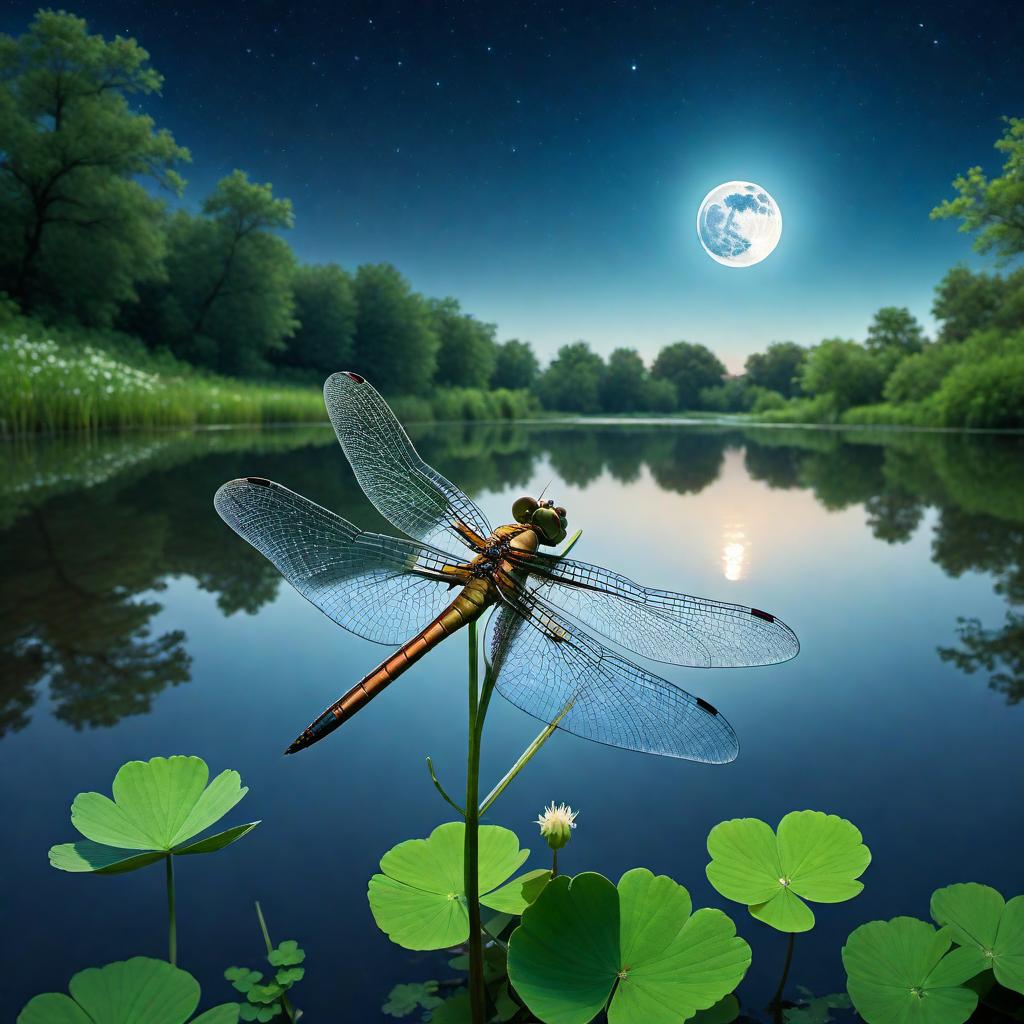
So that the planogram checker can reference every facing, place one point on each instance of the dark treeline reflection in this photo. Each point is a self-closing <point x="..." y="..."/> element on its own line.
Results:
<point x="92" y="531"/>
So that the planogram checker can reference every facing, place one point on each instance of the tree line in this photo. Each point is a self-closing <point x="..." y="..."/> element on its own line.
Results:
<point x="87" y="237"/>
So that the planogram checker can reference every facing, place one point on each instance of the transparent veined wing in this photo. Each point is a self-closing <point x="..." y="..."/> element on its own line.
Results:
<point x="557" y="673"/>
<point x="658" y="624"/>
<point x="403" y="488"/>
<point x="382" y="588"/>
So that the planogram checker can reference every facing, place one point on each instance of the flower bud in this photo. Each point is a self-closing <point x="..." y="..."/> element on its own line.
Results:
<point x="556" y="824"/>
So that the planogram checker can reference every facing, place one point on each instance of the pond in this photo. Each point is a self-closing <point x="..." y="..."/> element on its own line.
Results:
<point x="135" y="623"/>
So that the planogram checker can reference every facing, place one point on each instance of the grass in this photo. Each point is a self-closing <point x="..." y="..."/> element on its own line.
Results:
<point x="53" y="381"/>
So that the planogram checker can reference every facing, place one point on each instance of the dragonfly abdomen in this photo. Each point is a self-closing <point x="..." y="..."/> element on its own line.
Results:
<point x="470" y="604"/>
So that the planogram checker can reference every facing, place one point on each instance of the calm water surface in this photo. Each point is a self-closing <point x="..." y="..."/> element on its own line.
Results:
<point x="134" y="623"/>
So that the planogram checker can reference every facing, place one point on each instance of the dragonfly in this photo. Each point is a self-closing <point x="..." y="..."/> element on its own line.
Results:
<point x="560" y="633"/>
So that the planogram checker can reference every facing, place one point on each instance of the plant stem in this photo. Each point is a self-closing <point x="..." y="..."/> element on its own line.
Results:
<point x="554" y="863"/>
<point x="172" y="923"/>
<point x="776" y="1002"/>
<point x="477" y="993"/>
<point x="289" y="1012"/>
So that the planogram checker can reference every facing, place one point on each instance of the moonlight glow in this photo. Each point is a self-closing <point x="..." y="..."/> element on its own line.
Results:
<point x="739" y="224"/>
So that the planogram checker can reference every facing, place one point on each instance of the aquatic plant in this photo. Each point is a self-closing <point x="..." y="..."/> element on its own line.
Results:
<point x="266" y="999"/>
<point x="158" y="807"/>
<point x="136" y="991"/>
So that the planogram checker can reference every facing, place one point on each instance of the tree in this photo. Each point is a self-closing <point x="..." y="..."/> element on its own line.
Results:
<point x="843" y="371"/>
<point x="396" y="348"/>
<point x="572" y="381"/>
<point x="966" y="302"/>
<point x="777" y="368"/>
<point x="325" y="307"/>
<point x="227" y="303"/>
<point x="78" y="229"/>
<point x="994" y="208"/>
<point x="690" y="368"/>
<point x="466" y="349"/>
<point x="893" y="335"/>
<point x="624" y="382"/>
<point x="515" y="365"/>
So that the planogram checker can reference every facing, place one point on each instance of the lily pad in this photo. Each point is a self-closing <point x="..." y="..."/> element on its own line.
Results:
<point x="903" y="972"/>
<point x="979" y="918"/>
<point x="454" y="1010"/>
<point x="585" y="937"/>
<point x="136" y="991"/>
<point x="814" y="856"/>
<point x="419" y="900"/>
<point x="158" y="806"/>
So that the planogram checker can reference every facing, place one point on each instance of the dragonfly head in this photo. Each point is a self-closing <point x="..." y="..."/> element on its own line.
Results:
<point x="547" y="520"/>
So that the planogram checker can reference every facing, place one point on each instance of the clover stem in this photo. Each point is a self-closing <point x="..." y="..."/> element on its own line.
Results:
<point x="172" y="924"/>
<point x="285" y="1005"/>
<point x="477" y="709"/>
<point x="776" y="1002"/>
<point x="554" y="863"/>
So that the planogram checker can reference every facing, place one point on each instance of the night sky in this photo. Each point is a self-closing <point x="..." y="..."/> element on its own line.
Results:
<point x="543" y="163"/>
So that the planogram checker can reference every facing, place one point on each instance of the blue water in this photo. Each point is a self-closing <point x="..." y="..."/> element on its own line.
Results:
<point x="135" y="624"/>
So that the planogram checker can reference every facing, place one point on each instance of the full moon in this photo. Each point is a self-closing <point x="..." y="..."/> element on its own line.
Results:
<point x="739" y="224"/>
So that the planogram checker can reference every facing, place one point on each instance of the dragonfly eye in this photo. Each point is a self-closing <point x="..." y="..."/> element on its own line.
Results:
<point x="523" y="509"/>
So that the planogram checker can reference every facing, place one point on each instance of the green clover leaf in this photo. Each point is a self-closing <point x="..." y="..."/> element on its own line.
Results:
<point x="979" y="918"/>
<point x="248" y="1012"/>
<point x="902" y="972"/>
<point x="288" y="976"/>
<point x="242" y="979"/>
<point x="584" y="937"/>
<point x="815" y="856"/>
<point x="158" y="806"/>
<point x="419" y="900"/>
<point x="286" y="954"/>
<point x="404" y="999"/>
<point x="136" y="991"/>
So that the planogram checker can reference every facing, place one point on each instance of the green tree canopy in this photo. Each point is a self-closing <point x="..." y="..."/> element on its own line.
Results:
<point x="690" y="368"/>
<point x="844" y="371"/>
<point x="325" y="307"/>
<point x="966" y="302"/>
<point x="78" y="230"/>
<point x="227" y="302"/>
<point x="572" y="380"/>
<point x="624" y="382"/>
<point x="515" y="365"/>
<point x="993" y="208"/>
<point x="777" y="368"/>
<point x="396" y="348"/>
<point x="466" y="349"/>
<point x="894" y="334"/>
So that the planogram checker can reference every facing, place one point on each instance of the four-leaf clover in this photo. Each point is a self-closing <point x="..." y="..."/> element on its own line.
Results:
<point x="814" y="856"/>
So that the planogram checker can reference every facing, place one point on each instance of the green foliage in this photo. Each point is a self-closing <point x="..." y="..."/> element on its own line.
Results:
<point x="78" y="228"/>
<point x="921" y="374"/>
<point x="396" y="347"/>
<point x="777" y="368"/>
<point x="136" y="991"/>
<point x="572" y="380"/>
<point x="979" y="919"/>
<point x="815" y="1009"/>
<point x="405" y="999"/>
<point x="843" y="372"/>
<point x="227" y="301"/>
<point x="816" y="856"/>
<point x="991" y="207"/>
<point x="988" y="394"/>
<point x="265" y="1000"/>
<point x="894" y="334"/>
<point x="325" y="308"/>
<point x="903" y="972"/>
<point x="515" y="366"/>
<point x="966" y="302"/>
<point x="419" y="900"/>
<point x="584" y="937"/>
<point x="624" y="382"/>
<point x="158" y="806"/>
<point x="466" y="350"/>
<point x="690" y="368"/>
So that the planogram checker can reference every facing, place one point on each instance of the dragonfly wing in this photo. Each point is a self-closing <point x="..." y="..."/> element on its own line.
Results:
<point x="382" y="588"/>
<point x="557" y="673"/>
<point x="659" y="624"/>
<point x="403" y="488"/>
